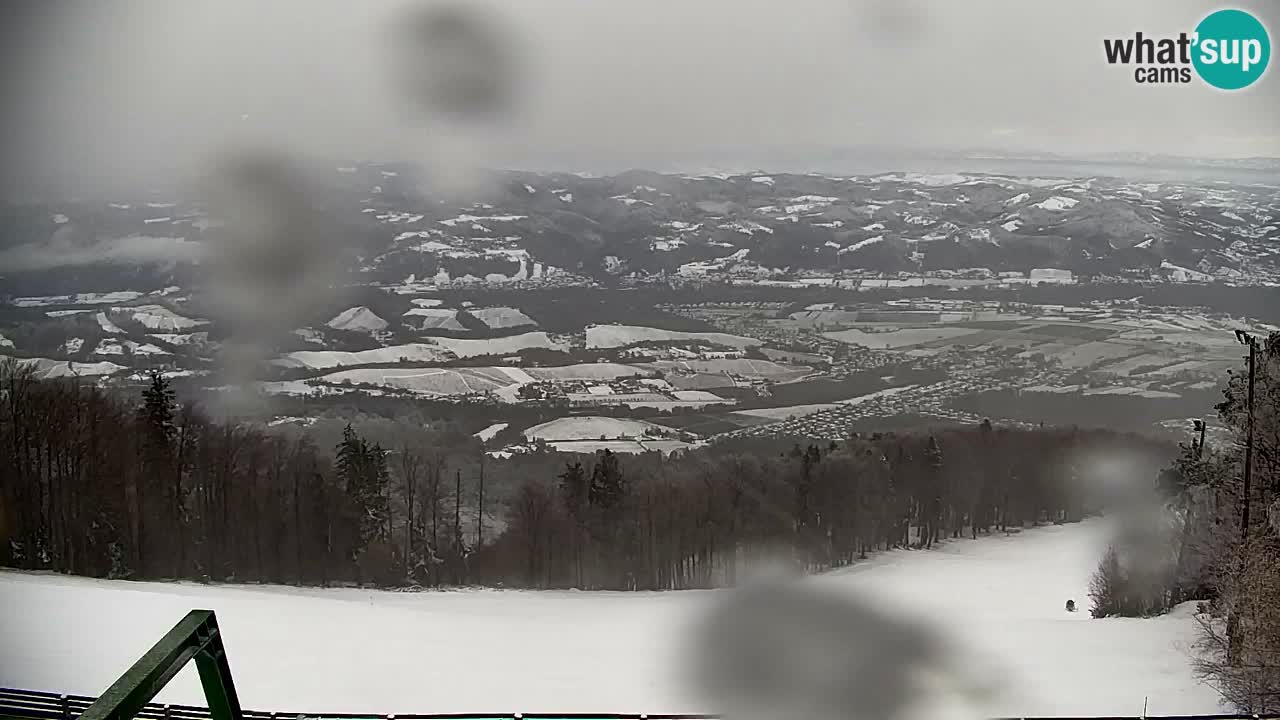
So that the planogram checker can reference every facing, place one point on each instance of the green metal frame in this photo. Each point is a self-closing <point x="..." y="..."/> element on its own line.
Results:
<point x="196" y="636"/>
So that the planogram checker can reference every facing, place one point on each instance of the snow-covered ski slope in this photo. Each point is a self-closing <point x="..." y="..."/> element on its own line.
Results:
<point x="348" y="650"/>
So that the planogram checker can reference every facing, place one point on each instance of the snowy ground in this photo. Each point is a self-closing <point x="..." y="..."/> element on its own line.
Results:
<point x="351" y="650"/>
<point x="593" y="428"/>
<point x="614" y="336"/>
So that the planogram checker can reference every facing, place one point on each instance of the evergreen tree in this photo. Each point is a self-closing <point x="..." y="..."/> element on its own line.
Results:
<point x="574" y="494"/>
<point x="607" y="486"/>
<point x="153" y="492"/>
<point x="573" y="489"/>
<point x="374" y="498"/>
<point x="347" y="459"/>
<point x="362" y="470"/>
<point x="157" y="409"/>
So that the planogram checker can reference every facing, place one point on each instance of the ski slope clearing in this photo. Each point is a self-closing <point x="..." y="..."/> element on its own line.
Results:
<point x="349" y="650"/>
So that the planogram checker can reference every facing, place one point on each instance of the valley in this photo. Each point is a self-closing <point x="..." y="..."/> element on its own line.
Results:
<point x="701" y="307"/>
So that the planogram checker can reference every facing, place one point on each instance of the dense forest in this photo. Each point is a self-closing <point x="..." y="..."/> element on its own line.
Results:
<point x="147" y="488"/>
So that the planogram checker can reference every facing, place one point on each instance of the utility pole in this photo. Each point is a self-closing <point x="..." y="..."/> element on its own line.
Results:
<point x="457" y="510"/>
<point x="1252" y="342"/>
<point x="457" y="525"/>
<point x="480" y="512"/>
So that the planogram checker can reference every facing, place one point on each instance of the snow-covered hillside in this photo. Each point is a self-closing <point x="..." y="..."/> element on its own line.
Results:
<point x="684" y="228"/>
<point x="358" y="319"/>
<point x="349" y="650"/>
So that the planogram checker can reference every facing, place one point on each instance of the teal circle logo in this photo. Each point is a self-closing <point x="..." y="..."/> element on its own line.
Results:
<point x="1231" y="49"/>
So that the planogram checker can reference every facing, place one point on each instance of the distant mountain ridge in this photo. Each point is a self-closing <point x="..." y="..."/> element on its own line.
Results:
<point x="529" y="227"/>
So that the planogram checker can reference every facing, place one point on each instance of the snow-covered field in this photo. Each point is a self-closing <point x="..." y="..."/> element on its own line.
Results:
<point x="324" y="359"/>
<point x="1000" y="599"/>
<point x="109" y="298"/>
<point x="357" y="319"/>
<point x="1057" y="203"/>
<point x="437" y="350"/>
<point x="500" y="346"/>
<point x="46" y="368"/>
<point x="502" y="317"/>
<point x="593" y="428"/>
<point x="488" y="433"/>
<point x="112" y="346"/>
<point x="107" y="326"/>
<point x="632" y="447"/>
<point x="742" y="367"/>
<point x="788" y="411"/>
<point x="614" y="336"/>
<point x="894" y="339"/>
<point x="585" y="371"/>
<point x="428" y="381"/>
<point x="434" y="318"/>
<point x="160" y="318"/>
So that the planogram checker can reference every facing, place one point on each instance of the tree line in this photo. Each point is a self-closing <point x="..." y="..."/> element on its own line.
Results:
<point x="1194" y="544"/>
<point x="696" y="521"/>
<point x="96" y="484"/>
<point x="91" y="484"/>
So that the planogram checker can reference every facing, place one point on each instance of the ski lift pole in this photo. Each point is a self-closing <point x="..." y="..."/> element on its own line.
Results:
<point x="196" y="637"/>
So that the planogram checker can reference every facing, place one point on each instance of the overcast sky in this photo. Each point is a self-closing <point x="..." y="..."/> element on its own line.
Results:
<point x="114" y="88"/>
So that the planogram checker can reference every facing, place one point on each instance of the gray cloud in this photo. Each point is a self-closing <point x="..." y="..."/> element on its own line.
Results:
<point x="123" y="91"/>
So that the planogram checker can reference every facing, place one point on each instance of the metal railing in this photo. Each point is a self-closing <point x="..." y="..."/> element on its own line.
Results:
<point x="34" y="705"/>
